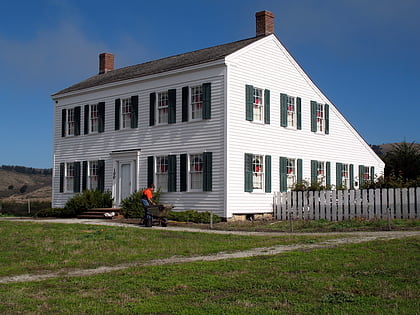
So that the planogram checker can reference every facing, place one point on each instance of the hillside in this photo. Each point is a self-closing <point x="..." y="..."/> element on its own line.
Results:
<point x="21" y="183"/>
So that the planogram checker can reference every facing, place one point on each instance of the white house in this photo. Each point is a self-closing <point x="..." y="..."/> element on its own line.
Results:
<point x="218" y="129"/>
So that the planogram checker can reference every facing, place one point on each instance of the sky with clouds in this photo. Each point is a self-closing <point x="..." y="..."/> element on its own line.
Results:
<point x="363" y="54"/>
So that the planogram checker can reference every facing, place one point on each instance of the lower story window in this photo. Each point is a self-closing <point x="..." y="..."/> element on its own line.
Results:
<point x="162" y="172"/>
<point x="196" y="171"/>
<point x="93" y="175"/>
<point x="321" y="173"/>
<point x="258" y="171"/>
<point x="69" y="177"/>
<point x="345" y="176"/>
<point x="291" y="172"/>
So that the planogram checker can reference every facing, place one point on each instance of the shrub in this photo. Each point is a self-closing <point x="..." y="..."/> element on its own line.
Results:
<point x="86" y="200"/>
<point x="193" y="216"/>
<point x="55" y="212"/>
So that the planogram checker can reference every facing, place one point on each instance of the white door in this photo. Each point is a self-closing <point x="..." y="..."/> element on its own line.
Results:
<point x="125" y="181"/>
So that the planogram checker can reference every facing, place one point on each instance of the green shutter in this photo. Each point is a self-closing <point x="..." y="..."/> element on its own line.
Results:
<point x="351" y="176"/>
<point x="172" y="106"/>
<point x="101" y="175"/>
<point x="327" y="118"/>
<point x="63" y="122"/>
<point x="183" y="169"/>
<point x="299" y="113"/>
<point x="313" y="116"/>
<point x="185" y="99"/>
<point x="207" y="171"/>
<point x="314" y="169"/>
<point x="283" y="110"/>
<point x="268" y="173"/>
<point x="84" y="175"/>
<point x="150" y="170"/>
<point x="372" y="173"/>
<point x="134" y="111"/>
<point x="101" y="114"/>
<point x="338" y="171"/>
<point x="248" y="172"/>
<point x="152" y="104"/>
<point x="77" y="118"/>
<point x="361" y="179"/>
<point x="266" y="106"/>
<point x="249" y="105"/>
<point x="62" y="171"/>
<point x="76" y="178"/>
<point x="117" y="113"/>
<point x="299" y="171"/>
<point x="328" y="173"/>
<point x="283" y="173"/>
<point x="171" y="173"/>
<point x="86" y="120"/>
<point x="207" y="101"/>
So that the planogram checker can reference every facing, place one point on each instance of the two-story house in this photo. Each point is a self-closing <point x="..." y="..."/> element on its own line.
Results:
<point x="217" y="129"/>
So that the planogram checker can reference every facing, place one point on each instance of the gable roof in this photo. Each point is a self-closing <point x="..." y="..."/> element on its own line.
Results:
<point x="162" y="65"/>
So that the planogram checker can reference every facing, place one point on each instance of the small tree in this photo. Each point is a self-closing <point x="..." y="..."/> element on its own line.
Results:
<point x="403" y="161"/>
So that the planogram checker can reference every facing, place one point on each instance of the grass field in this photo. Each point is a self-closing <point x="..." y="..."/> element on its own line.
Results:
<point x="378" y="277"/>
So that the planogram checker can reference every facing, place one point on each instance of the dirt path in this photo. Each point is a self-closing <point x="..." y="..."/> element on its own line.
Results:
<point x="355" y="237"/>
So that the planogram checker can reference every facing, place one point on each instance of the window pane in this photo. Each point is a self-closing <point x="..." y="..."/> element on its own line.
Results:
<point x="94" y="118"/>
<point x="162" y="107"/>
<point x="258" y="104"/>
<point x="126" y="112"/>
<point x="196" y="102"/>
<point x="162" y="172"/>
<point x="258" y="170"/>
<point x="196" y="171"/>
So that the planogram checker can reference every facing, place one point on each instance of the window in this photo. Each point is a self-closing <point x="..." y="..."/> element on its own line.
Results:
<point x="291" y="172"/>
<point x="196" y="172"/>
<point x="258" y="105"/>
<point x="196" y="102"/>
<point x="126" y="112"/>
<point x="320" y="171"/>
<point x="93" y="173"/>
<point x="258" y="170"/>
<point x="162" y="172"/>
<point x="291" y="111"/>
<point x="319" y="117"/>
<point x="162" y="107"/>
<point x="94" y="118"/>
<point x="345" y="176"/>
<point x="366" y="174"/>
<point x="70" y="122"/>
<point x="69" y="177"/>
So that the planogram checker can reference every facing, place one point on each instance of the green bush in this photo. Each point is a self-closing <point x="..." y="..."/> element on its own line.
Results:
<point x="131" y="207"/>
<point x="54" y="212"/>
<point x="88" y="199"/>
<point x="193" y="216"/>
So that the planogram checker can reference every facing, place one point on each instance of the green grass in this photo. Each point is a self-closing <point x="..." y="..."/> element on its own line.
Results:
<point x="380" y="277"/>
<point x="38" y="247"/>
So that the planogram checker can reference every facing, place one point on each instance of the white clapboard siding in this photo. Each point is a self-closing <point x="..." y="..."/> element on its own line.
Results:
<point x="366" y="204"/>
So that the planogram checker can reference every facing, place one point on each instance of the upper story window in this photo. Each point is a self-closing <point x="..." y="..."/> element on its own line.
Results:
<point x="94" y="118"/>
<point x="196" y="102"/>
<point x="162" y="167"/>
<point x="291" y="111"/>
<point x="126" y="112"/>
<point x="257" y="104"/>
<point x="319" y="117"/>
<point x="70" y="122"/>
<point x="162" y="107"/>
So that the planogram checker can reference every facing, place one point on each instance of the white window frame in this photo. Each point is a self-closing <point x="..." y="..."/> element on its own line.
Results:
<point x="321" y="173"/>
<point x="366" y="173"/>
<point x="320" y="117"/>
<point x="161" y="172"/>
<point x="70" y="122"/>
<point x="258" y="105"/>
<point x="196" y="102"/>
<point x="93" y="118"/>
<point x="195" y="171"/>
<point x="258" y="172"/>
<point x="69" y="177"/>
<point x="93" y="175"/>
<point x="126" y="112"/>
<point x="345" y="179"/>
<point x="291" y="172"/>
<point x="291" y="112"/>
<point x="162" y="107"/>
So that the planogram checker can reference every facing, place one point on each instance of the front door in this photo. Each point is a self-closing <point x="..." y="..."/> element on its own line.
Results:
<point x="125" y="181"/>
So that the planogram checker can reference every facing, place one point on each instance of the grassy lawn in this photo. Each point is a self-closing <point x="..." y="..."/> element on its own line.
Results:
<point x="378" y="277"/>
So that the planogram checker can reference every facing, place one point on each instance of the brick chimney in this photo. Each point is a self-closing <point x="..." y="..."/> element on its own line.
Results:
<point x="264" y="23"/>
<point x="106" y="62"/>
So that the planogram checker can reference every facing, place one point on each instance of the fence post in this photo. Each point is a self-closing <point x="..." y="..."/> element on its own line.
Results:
<point x="291" y="220"/>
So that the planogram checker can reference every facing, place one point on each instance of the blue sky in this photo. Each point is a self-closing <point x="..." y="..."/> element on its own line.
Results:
<point x="363" y="54"/>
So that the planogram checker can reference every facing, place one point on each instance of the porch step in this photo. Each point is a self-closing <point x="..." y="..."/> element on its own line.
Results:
<point x="99" y="213"/>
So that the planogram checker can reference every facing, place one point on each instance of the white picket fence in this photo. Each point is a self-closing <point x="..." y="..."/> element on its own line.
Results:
<point x="338" y="205"/>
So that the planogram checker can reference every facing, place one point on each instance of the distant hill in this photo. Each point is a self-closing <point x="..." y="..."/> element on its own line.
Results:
<point x="19" y="183"/>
